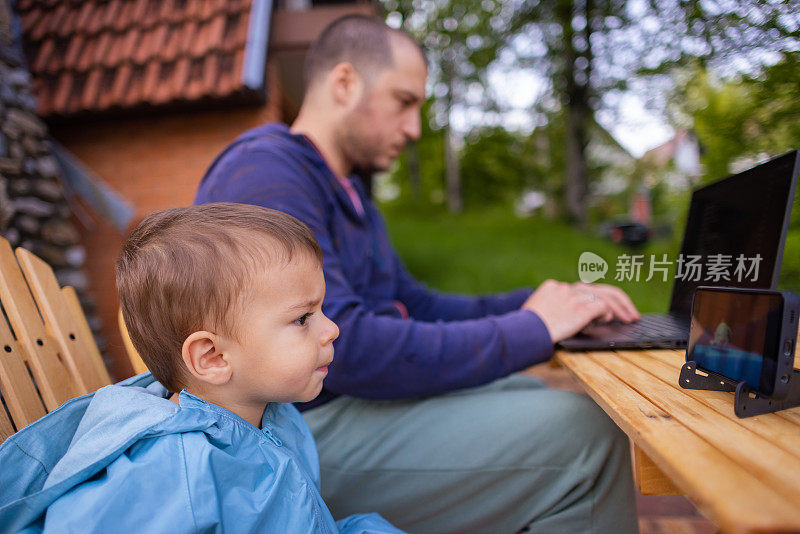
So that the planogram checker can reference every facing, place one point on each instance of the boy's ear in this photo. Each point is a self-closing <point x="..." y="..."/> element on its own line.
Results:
<point x="204" y="359"/>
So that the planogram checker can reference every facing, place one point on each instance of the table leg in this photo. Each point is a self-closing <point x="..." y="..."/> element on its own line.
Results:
<point x="649" y="479"/>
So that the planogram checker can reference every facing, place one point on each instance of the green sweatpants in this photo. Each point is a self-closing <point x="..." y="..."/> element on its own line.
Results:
<point x="502" y="458"/>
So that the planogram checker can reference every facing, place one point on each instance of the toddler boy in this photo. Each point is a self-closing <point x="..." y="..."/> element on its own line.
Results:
<point x="223" y="303"/>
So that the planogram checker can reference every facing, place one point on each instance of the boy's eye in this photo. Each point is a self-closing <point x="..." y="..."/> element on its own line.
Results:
<point x="302" y="320"/>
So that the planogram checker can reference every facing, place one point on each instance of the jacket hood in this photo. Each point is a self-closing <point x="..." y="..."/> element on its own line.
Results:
<point x="71" y="444"/>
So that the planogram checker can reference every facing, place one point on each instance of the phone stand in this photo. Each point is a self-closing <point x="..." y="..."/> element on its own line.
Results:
<point x="746" y="402"/>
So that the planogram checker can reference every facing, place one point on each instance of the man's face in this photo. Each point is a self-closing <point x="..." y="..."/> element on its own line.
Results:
<point x="388" y="114"/>
<point x="286" y="341"/>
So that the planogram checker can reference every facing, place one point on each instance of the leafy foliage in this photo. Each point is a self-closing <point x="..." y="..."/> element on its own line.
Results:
<point x="588" y="52"/>
<point x="495" y="164"/>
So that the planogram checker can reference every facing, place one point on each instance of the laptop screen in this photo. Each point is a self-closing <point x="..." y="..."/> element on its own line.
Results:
<point x="745" y="215"/>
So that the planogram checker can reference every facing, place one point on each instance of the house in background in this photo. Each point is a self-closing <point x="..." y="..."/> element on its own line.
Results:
<point x="675" y="163"/>
<point x="145" y="93"/>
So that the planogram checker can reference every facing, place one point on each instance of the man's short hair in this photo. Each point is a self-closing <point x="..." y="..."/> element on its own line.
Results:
<point x="361" y="40"/>
<point x="184" y="270"/>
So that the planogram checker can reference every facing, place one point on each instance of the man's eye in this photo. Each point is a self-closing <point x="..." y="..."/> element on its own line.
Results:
<point x="302" y="320"/>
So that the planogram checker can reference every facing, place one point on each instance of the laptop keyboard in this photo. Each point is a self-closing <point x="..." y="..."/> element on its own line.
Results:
<point x="657" y="326"/>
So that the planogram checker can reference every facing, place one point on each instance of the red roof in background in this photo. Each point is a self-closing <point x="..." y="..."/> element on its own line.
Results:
<point x="99" y="55"/>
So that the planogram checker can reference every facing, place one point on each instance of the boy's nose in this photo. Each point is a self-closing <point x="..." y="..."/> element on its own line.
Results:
<point x="331" y="332"/>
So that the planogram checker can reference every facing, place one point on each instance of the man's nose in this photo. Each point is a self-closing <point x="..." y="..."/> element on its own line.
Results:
<point x="413" y="125"/>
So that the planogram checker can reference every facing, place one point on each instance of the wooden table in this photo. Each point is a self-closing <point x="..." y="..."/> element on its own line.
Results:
<point x="743" y="474"/>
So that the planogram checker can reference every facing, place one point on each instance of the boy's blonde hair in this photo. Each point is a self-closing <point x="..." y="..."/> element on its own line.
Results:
<point x="183" y="270"/>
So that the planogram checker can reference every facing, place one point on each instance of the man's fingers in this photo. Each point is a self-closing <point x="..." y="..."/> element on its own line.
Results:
<point x="625" y="301"/>
<point x="591" y="310"/>
<point x="618" y="307"/>
<point x="619" y="301"/>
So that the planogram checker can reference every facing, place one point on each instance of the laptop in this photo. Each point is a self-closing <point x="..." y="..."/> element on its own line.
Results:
<point x="746" y="213"/>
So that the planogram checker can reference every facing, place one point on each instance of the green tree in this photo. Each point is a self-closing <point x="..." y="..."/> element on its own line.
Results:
<point x="494" y="162"/>
<point x="461" y="38"/>
<point x="573" y="38"/>
<point x="742" y="118"/>
<point x="421" y="166"/>
<point x="589" y="50"/>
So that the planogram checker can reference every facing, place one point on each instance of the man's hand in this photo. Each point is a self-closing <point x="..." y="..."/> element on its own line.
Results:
<point x="566" y="308"/>
<point x="620" y="305"/>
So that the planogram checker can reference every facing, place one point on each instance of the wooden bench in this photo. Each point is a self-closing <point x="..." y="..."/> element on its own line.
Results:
<point x="47" y="352"/>
<point x="743" y="474"/>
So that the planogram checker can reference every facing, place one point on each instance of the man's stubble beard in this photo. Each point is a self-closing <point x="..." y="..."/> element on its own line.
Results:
<point x="356" y="145"/>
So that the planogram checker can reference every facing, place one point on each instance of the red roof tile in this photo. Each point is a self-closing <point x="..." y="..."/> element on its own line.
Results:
<point x="112" y="12"/>
<point x="163" y="91"/>
<point x="84" y="15"/>
<point x="25" y="4"/>
<point x="67" y="26"/>
<point x="92" y="89"/>
<point x="210" y="71"/>
<point x="152" y="73"/>
<point x="172" y="46"/>
<point x="106" y="97"/>
<point x="73" y="49"/>
<point x="62" y="90"/>
<point x="125" y="17"/>
<point x="57" y="18"/>
<point x="45" y="51"/>
<point x="97" y="55"/>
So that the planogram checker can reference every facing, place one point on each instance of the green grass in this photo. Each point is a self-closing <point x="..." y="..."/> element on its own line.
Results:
<point x="492" y="250"/>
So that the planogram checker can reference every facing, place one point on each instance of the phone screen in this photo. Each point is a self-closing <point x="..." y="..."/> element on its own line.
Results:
<point x="735" y="334"/>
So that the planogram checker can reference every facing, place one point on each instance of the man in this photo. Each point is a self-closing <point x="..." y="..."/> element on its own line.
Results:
<point x="421" y="418"/>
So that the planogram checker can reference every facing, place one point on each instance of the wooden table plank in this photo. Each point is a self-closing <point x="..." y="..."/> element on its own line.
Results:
<point x="778" y="430"/>
<point x="754" y="453"/>
<point x="736" y="499"/>
<point x="676" y="359"/>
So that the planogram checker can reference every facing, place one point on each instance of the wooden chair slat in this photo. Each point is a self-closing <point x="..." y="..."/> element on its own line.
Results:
<point x="19" y="392"/>
<point x="37" y="347"/>
<point x="84" y="333"/>
<point x="6" y="428"/>
<point x="138" y="364"/>
<point x="60" y="323"/>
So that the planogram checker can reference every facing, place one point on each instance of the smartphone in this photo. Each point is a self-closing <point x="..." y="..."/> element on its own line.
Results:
<point x="746" y="335"/>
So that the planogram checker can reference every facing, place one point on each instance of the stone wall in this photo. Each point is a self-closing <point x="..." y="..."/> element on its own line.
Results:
<point x="34" y="212"/>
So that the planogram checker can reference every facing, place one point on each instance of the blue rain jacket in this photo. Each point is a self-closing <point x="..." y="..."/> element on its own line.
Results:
<point x="127" y="459"/>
